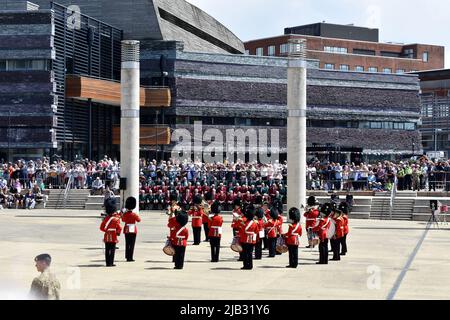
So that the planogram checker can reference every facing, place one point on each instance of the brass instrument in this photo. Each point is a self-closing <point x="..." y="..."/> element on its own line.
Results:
<point x="172" y="210"/>
<point x="206" y="208"/>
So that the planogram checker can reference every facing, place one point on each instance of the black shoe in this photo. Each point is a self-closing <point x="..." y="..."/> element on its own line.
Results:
<point x="342" y="254"/>
<point x="270" y="256"/>
<point x="177" y="268"/>
<point x="335" y="259"/>
<point x="111" y="265"/>
<point x="308" y="247"/>
<point x="289" y="267"/>
<point x="131" y="260"/>
<point x="320" y="262"/>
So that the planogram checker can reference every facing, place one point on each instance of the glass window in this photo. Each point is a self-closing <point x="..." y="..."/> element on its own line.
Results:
<point x="2" y="65"/>
<point x="359" y="68"/>
<point x="410" y="126"/>
<point x="271" y="50"/>
<point x="259" y="51"/>
<point x="284" y="48"/>
<point x="335" y="49"/>
<point x="373" y="69"/>
<point x="399" y="126"/>
<point x="387" y="70"/>
<point x="400" y="71"/>
<point x="243" y="122"/>
<point x="364" y="125"/>
<point x="329" y="66"/>
<point x="388" y="125"/>
<point x="345" y="67"/>
<point x="425" y="56"/>
<point x="376" y="125"/>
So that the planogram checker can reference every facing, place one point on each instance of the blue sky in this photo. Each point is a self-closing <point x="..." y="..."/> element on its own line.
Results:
<point x="412" y="21"/>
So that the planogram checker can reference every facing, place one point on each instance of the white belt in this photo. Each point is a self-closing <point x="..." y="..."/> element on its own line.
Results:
<point x="180" y="237"/>
<point x="196" y="217"/>
<point x="215" y="227"/>
<point x="131" y="224"/>
<point x="310" y="219"/>
<point x="111" y="230"/>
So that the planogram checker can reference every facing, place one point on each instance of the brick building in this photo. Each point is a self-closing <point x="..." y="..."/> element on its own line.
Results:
<point x="350" y="48"/>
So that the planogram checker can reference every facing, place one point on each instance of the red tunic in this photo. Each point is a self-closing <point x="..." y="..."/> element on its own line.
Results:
<point x="130" y="218"/>
<point x="339" y="233"/>
<point x="280" y="224"/>
<point x="237" y="214"/>
<point x="215" y="227"/>
<point x="248" y="232"/>
<point x="197" y="217"/>
<point x="322" y="228"/>
<point x="293" y="234"/>
<point x="178" y="234"/>
<point x="111" y="227"/>
<point x="311" y="218"/>
<point x="346" y="228"/>
<point x="260" y="229"/>
<point x="271" y="227"/>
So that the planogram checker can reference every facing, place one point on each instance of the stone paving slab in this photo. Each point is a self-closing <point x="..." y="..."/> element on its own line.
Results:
<point x="373" y="269"/>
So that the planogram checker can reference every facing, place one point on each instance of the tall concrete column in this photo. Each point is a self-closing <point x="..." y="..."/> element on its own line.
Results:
<point x="296" y="125"/>
<point x="129" y="122"/>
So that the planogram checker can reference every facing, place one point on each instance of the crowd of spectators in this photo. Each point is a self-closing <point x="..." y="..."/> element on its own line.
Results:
<point x="22" y="182"/>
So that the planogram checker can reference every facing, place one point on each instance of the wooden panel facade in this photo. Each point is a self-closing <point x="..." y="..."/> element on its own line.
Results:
<point x="149" y="135"/>
<point x="108" y="92"/>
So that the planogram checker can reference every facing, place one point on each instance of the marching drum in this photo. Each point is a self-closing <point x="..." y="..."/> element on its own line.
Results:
<point x="281" y="245"/>
<point x="332" y="229"/>
<point x="168" y="249"/>
<point x="235" y="245"/>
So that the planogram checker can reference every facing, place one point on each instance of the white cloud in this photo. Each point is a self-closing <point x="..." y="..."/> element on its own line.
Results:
<point x="414" y="21"/>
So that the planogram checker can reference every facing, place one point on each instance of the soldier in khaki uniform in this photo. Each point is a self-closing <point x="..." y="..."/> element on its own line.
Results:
<point x="46" y="286"/>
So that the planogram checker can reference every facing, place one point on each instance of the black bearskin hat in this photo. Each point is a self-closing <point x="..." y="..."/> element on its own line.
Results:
<point x="237" y="202"/>
<point x="110" y="206"/>
<point x="274" y="213"/>
<point x="216" y="208"/>
<point x="130" y="203"/>
<point x="182" y="218"/>
<point x="294" y="214"/>
<point x="259" y="213"/>
<point x="249" y="212"/>
<point x="208" y="196"/>
<point x="311" y="201"/>
<point x="343" y="206"/>
<point x="258" y="199"/>
<point x="326" y="209"/>
<point x="197" y="200"/>
<point x="173" y="196"/>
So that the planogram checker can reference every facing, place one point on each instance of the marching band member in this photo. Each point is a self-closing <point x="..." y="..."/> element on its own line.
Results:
<point x="271" y="225"/>
<point x="321" y="229"/>
<point x="130" y="230"/>
<point x="206" y="204"/>
<point x="197" y="213"/>
<point x="111" y="227"/>
<point x="338" y="235"/>
<point x="247" y="236"/>
<point x="279" y="227"/>
<point x="178" y="237"/>
<point x="292" y="237"/>
<point x="215" y="231"/>
<point x="174" y="207"/>
<point x="311" y="215"/>
<point x="344" y="209"/>
<point x="265" y="219"/>
<point x="261" y="233"/>
<point x="237" y="214"/>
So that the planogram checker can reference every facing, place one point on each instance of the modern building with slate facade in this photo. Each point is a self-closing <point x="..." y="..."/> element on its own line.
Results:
<point x="352" y="115"/>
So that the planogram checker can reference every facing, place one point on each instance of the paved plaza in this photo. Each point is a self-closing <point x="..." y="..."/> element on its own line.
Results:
<point x="386" y="259"/>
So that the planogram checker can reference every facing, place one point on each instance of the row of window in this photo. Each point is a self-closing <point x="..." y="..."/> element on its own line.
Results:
<point x="346" y="67"/>
<point x="25" y="64"/>
<point x="390" y="125"/>
<point x="284" y="49"/>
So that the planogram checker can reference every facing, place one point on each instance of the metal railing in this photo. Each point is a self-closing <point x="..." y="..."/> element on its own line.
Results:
<point x="67" y="190"/>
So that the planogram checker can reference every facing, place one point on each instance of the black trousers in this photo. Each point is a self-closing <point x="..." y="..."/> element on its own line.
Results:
<point x="272" y="242"/>
<point x="323" y="252"/>
<point x="179" y="256"/>
<point x="130" y="240"/>
<point x="215" y="248"/>
<point x="258" y="249"/>
<point x="197" y="234"/>
<point x="248" y="255"/>
<point x="293" y="256"/>
<point x="344" y="244"/>
<point x="110" y="250"/>
<point x="335" y="247"/>
<point x="206" y="228"/>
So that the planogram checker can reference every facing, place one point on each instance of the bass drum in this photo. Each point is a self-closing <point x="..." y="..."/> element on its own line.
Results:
<point x="168" y="249"/>
<point x="235" y="245"/>
<point x="281" y="245"/>
<point x="331" y="229"/>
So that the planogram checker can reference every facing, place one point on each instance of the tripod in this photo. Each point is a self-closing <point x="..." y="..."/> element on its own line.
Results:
<point x="433" y="219"/>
